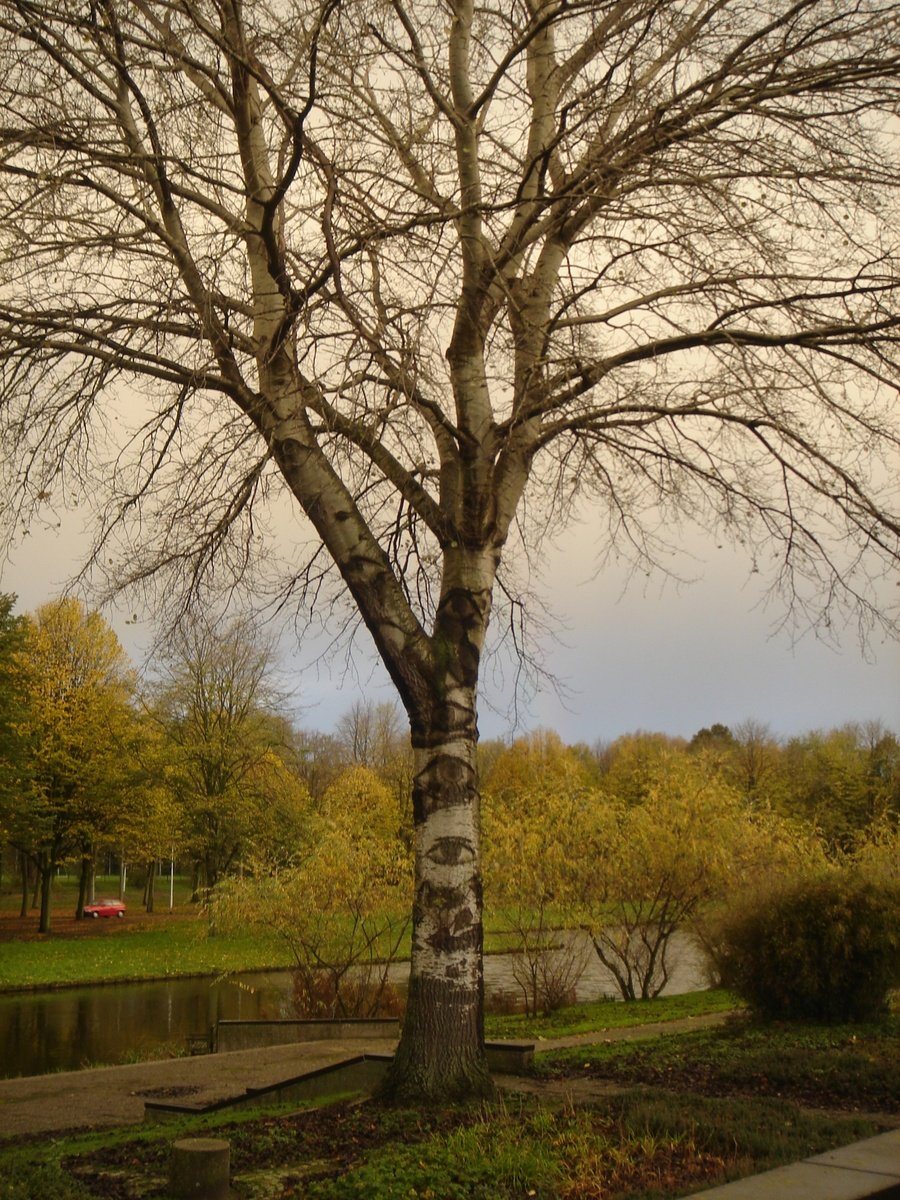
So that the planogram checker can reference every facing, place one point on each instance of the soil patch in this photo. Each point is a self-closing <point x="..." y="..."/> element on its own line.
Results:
<point x="314" y="1144"/>
<point x="168" y="1093"/>
<point x="63" y="926"/>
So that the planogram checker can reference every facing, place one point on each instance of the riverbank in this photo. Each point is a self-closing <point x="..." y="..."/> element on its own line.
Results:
<point x="147" y="947"/>
<point x="142" y="947"/>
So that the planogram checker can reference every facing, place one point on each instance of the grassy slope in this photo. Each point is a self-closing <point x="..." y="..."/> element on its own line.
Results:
<point x="849" y="1067"/>
<point x="609" y="1014"/>
<point x="179" y="948"/>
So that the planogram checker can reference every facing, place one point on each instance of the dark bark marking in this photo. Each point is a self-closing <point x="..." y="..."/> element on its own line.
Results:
<point x="451" y="851"/>
<point x="447" y="782"/>
<point x="457" y="927"/>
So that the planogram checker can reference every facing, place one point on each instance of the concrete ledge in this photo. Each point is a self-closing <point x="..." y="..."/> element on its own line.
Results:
<point x="509" y="1058"/>
<point x="253" y="1035"/>
<point x="360" y="1074"/>
<point x="869" y="1168"/>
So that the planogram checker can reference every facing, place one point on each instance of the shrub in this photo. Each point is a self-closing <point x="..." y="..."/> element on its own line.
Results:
<point x="366" y="992"/>
<point x="548" y="966"/>
<point x="825" y="948"/>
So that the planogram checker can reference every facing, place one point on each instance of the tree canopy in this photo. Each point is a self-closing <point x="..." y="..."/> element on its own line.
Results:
<point x="12" y="713"/>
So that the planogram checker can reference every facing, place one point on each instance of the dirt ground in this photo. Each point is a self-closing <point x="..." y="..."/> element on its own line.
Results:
<point x="14" y="928"/>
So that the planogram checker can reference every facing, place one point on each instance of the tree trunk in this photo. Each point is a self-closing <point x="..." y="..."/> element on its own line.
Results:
<point x="441" y="1053"/>
<point x="149" y="890"/>
<point x="84" y="884"/>
<point x="46" y="882"/>
<point x="195" y="881"/>
<point x="23" y="862"/>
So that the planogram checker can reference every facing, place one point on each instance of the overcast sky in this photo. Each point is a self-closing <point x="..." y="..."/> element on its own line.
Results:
<point x="645" y="655"/>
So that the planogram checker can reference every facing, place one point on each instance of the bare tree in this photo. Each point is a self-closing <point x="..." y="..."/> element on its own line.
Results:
<point x="755" y="760"/>
<point x="438" y="275"/>
<point x="370" y="733"/>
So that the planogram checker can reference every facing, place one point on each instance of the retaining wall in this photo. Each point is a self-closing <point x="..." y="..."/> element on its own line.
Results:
<point x="252" y="1035"/>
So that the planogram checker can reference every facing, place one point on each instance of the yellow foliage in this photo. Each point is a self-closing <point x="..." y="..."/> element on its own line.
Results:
<point x="532" y="765"/>
<point x="361" y="805"/>
<point x="78" y="720"/>
<point x="345" y="901"/>
<point x="877" y="850"/>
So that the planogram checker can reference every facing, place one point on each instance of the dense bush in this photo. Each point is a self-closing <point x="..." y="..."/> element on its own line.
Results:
<point x="825" y="948"/>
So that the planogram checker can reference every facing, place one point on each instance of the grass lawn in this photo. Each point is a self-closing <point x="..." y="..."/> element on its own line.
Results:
<point x="141" y="946"/>
<point x="641" y="1143"/>
<point x="849" y="1067"/>
<point x="609" y="1014"/>
<point x="166" y="948"/>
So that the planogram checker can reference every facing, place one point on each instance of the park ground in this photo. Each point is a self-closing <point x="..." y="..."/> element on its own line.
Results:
<point x="606" y="1117"/>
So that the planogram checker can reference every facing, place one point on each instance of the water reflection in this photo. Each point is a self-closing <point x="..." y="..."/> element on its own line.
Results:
<point x="79" y="1027"/>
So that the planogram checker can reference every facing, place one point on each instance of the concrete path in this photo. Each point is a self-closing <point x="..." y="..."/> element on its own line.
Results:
<point x="109" y="1096"/>
<point x="70" y="1100"/>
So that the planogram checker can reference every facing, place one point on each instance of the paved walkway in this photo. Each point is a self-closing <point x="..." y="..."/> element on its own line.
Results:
<point x="108" y="1096"/>
<point x="115" y="1095"/>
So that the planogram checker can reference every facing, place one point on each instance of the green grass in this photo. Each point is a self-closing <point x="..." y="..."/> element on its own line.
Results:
<point x="172" y="947"/>
<point x="176" y="948"/>
<point x="845" y="1066"/>
<point x="609" y="1014"/>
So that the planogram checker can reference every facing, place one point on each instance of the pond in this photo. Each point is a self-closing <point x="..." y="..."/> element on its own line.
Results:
<point x="73" y="1028"/>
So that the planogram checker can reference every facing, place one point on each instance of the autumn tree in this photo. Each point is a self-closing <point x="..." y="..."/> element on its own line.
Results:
<point x="536" y="806"/>
<point x="12" y="718"/>
<point x="756" y="762"/>
<point x="147" y="823"/>
<point x="342" y="904"/>
<point x="841" y="780"/>
<point x="216" y="704"/>
<point x="439" y="277"/>
<point x="632" y="762"/>
<point x="373" y="735"/>
<point x="318" y="760"/>
<point x="77" y="730"/>
<point x="12" y="703"/>
<point x="647" y="869"/>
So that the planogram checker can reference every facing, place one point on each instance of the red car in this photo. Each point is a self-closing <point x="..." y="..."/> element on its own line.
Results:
<point x="105" y="908"/>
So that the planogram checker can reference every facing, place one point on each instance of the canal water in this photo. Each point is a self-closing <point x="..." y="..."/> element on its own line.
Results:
<point x="73" y="1028"/>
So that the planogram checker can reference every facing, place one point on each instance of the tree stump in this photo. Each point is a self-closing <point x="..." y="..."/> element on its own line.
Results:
<point x="200" y="1168"/>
